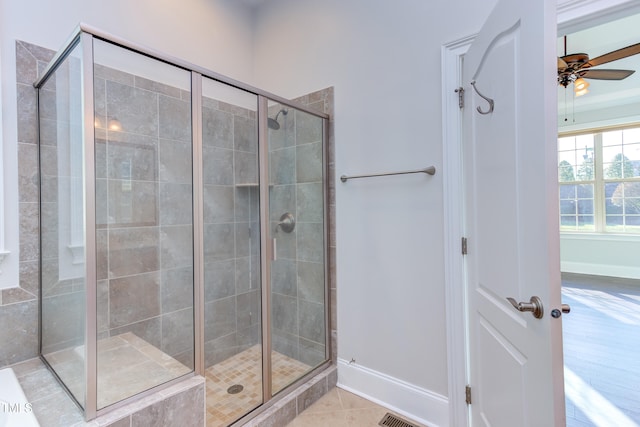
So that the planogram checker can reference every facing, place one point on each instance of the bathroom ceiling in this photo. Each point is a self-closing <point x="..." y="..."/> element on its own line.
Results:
<point x="597" y="41"/>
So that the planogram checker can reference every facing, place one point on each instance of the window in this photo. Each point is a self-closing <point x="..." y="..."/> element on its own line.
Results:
<point x="599" y="175"/>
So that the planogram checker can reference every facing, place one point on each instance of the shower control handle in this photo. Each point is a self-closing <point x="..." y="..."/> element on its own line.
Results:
<point x="287" y="223"/>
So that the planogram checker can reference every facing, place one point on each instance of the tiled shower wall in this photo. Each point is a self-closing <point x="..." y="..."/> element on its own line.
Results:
<point x="144" y="214"/>
<point x="152" y="296"/>
<point x="144" y="211"/>
<point x="19" y="309"/>
<point x="295" y="151"/>
<point x="231" y="231"/>
<point x="19" y="306"/>
<point x="323" y="101"/>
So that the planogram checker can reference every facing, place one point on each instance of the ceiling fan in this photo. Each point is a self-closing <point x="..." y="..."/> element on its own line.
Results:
<point x="576" y="66"/>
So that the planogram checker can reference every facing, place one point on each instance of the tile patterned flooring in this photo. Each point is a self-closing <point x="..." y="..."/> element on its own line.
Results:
<point x="245" y="368"/>
<point x="340" y="408"/>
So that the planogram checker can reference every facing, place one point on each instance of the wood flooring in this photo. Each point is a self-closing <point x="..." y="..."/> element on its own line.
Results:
<point x="602" y="351"/>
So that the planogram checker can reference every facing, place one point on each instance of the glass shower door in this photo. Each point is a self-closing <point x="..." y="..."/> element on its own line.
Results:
<point x="296" y="215"/>
<point x="232" y="285"/>
<point x="62" y="237"/>
<point x="144" y="222"/>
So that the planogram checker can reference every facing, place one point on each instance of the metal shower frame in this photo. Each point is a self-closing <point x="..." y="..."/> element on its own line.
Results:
<point x="83" y="36"/>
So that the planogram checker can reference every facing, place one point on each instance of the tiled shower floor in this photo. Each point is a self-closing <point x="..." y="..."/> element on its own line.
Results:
<point x="127" y="365"/>
<point x="245" y="368"/>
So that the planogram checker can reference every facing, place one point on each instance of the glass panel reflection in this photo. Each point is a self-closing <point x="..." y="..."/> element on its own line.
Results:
<point x="296" y="205"/>
<point x="144" y="222"/>
<point x="232" y="310"/>
<point x="62" y="224"/>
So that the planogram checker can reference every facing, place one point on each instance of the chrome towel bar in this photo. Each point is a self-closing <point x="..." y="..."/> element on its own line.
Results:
<point x="431" y="170"/>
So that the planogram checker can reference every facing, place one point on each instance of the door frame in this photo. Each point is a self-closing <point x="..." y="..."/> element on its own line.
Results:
<point x="573" y="15"/>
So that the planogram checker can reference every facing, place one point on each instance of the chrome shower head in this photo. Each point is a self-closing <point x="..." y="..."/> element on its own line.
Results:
<point x="273" y="123"/>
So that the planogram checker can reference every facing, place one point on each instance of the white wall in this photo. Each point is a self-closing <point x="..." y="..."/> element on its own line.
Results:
<point x="600" y="255"/>
<point x="383" y="57"/>
<point x="215" y="34"/>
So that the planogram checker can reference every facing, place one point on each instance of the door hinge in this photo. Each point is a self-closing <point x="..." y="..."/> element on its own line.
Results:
<point x="460" y="92"/>
<point x="464" y="246"/>
<point x="467" y="393"/>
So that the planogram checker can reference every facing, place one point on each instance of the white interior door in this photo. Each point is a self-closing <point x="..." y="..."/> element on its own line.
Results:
<point x="511" y="219"/>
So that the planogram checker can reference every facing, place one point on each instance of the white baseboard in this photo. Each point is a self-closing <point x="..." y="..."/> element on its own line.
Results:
<point x="415" y="403"/>
<point x="600" y="269"/>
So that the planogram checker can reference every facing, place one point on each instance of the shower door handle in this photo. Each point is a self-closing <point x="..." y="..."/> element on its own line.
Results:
<point x="274" y="250"/>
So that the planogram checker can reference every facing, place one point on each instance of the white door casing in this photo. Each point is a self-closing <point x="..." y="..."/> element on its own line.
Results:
<point x="511" y="218"/>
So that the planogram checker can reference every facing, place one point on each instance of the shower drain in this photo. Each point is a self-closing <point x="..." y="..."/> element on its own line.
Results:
<point x="235" y="389"/>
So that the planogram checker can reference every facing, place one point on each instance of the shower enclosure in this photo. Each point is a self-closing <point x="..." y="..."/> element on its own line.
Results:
<point x="183" y="230"/>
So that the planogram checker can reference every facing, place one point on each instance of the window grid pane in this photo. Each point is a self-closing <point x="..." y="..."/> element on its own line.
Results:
<point x="622" y="207"/>
<point x="618" y="175"/>
<point x="576" y="207"/>
<point x="575" y="158"/>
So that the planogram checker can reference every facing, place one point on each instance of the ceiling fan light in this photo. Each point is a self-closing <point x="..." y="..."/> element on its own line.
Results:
<point x="580" y="92"/>
<point x="114" y="124"/>
<point x="580" y="84"/>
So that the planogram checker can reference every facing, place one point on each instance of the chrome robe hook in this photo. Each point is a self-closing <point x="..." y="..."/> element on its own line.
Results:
<point x="489" y="100"/>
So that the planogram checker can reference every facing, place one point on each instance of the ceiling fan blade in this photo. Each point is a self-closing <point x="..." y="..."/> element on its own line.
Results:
<point x="634" y="49"/>
<point x="562" y="65"/>
<point x="605" y="74"/>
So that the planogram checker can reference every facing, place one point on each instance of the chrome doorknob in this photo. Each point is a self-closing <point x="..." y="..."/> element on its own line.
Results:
<point x="555" y="313"/>
<point x="534" y="306"/>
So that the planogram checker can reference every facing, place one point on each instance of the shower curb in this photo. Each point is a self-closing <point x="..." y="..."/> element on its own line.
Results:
<point x="290" y="406"/>
<point x="180" y="401"/>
